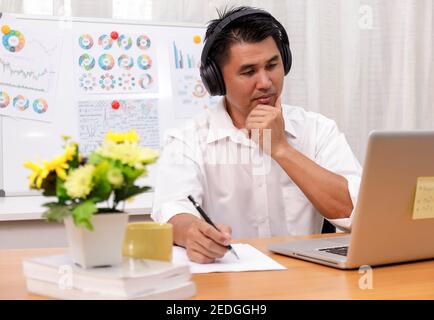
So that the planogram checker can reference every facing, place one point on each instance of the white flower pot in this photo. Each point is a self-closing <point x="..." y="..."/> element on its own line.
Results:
<point x="100" y="247"/>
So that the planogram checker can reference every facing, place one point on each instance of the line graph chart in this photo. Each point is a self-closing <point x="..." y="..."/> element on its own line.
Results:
<point x="46" y="49"/>
<point x="17" y="75"/>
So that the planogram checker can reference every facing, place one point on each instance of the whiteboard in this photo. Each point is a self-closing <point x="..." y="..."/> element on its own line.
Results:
<point x="27" y="139"/>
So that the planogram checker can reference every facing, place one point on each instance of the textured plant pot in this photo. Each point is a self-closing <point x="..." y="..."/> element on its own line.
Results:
<point x="100" y="247"/>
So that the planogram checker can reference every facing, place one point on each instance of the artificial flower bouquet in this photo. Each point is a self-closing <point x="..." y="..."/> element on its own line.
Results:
<point x="107" y="176"/>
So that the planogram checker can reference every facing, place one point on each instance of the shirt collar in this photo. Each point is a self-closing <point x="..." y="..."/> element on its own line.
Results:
<point x="221" y="125"/>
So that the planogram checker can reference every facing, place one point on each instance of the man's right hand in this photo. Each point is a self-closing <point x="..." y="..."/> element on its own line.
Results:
<point x="202" y="241"/>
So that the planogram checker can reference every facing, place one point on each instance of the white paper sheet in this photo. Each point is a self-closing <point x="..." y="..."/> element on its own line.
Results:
<point x="97" y="117"/>
<point x="29" y="65"/>
<point x="189" y="94"/>
<point x="251" y="259"/>
<point x="125" y="65"/>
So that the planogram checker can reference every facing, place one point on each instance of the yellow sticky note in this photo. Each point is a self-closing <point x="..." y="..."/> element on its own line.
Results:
<point x="424" y="200"/>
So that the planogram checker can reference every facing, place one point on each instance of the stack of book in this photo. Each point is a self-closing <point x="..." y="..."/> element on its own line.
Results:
<point x="57" y="276"/>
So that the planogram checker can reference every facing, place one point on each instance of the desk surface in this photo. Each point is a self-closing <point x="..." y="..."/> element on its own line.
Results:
<point x="302" y="280"/>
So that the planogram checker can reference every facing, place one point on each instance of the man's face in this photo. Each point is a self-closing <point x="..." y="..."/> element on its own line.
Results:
<point x="253" y="75"/>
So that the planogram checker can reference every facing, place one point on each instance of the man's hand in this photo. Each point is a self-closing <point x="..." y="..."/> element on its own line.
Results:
<point x="203" y="242"/>
<point x="264" y="121"/>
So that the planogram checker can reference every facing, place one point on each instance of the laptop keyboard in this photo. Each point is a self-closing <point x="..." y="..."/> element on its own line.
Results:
<point x="342" y="251"/>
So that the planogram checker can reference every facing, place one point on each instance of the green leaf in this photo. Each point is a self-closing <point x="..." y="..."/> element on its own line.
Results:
<point x="83" y="214"/>
<point x="101" y="191"/>
<point x="56" y="211"/>
<point x="50" y="204"/>
<point x="74" y="162"/>
<point x="131" y="174"/>
<point x="125" y="193"/>
<point x="94" y="158"/>
<point x="102" y="188"/>
<point x="61" y="193"/>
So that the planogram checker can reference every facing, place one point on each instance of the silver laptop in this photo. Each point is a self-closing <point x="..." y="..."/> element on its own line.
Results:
<point x="383" y="228"/>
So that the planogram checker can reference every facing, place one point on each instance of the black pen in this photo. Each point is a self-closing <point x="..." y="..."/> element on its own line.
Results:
<point x="208" y="220"/>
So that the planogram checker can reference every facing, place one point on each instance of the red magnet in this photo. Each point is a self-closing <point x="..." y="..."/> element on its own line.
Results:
<point x="115" y="104"/>
<point x="114" y="35"/>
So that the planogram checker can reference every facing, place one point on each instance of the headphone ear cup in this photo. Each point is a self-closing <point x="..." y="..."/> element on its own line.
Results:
<point x="287" y="57"/>
<point x="212" y="79"/>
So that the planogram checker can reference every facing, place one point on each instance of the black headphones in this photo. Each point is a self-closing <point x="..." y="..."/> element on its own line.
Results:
<point x="210" y="73"/>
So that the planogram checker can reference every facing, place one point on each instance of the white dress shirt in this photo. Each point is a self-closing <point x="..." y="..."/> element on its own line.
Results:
<point x="236" y="184"/>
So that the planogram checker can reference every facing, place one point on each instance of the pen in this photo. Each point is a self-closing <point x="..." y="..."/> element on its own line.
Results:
<point x="208" y="220"/>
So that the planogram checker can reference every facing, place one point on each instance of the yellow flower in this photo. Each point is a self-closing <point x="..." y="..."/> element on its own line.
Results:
<point x="122" y="137"/>
<point x="78" y="183"/>
<point x="115" y="177"/>
<point x="129" y="154"/>
<point x="59" y="164"/>
<point x="36" y="171"/>
<point x="70" y="151"/>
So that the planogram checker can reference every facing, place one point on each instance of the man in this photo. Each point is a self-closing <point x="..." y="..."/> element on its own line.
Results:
<point x="299" y="168"/>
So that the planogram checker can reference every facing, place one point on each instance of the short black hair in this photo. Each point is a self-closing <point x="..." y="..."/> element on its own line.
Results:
<point x="250" y="29"/>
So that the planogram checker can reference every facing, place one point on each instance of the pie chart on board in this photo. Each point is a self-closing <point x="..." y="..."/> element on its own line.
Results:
<point x="105" y="41"/>
<point x="85" y="41"/>
<point x="13" y="41"/>
<point x="20" y="103"/>
<point x="144" y="62"/>
<point x="86" y="61"/>
<point x="4" y="99"/>
<point x="125" y="42"/>
<point x="40" y="106"/>
<point x="106" y="62"/>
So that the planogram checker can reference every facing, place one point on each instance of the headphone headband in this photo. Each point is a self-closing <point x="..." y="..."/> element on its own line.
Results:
<point x="222" y="25"/>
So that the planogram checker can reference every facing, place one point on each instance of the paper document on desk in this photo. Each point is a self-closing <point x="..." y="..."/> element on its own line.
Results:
<point x="251" y="259"/>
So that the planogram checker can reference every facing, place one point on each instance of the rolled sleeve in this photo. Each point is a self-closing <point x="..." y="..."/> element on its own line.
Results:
<point x="334" y="154"/>
<point x="171" y="208"/>
<point x="178" y="175"/>
<point x="353" y="188"/>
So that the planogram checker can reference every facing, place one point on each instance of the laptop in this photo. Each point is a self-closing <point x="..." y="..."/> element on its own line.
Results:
<point x="383" y="228"/>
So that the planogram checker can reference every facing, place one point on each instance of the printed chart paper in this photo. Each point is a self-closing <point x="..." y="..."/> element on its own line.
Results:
<point x="122" y="63"/>
<point x="29" y="64"/>
<point x="97" y="117"/>
<point x="189" y="94"/>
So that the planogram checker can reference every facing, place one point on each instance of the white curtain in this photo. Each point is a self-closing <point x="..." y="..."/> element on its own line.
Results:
<point x="368" y="64"/>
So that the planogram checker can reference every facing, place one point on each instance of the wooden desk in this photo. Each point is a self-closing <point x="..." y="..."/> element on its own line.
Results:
<point x="302" y="280"/>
